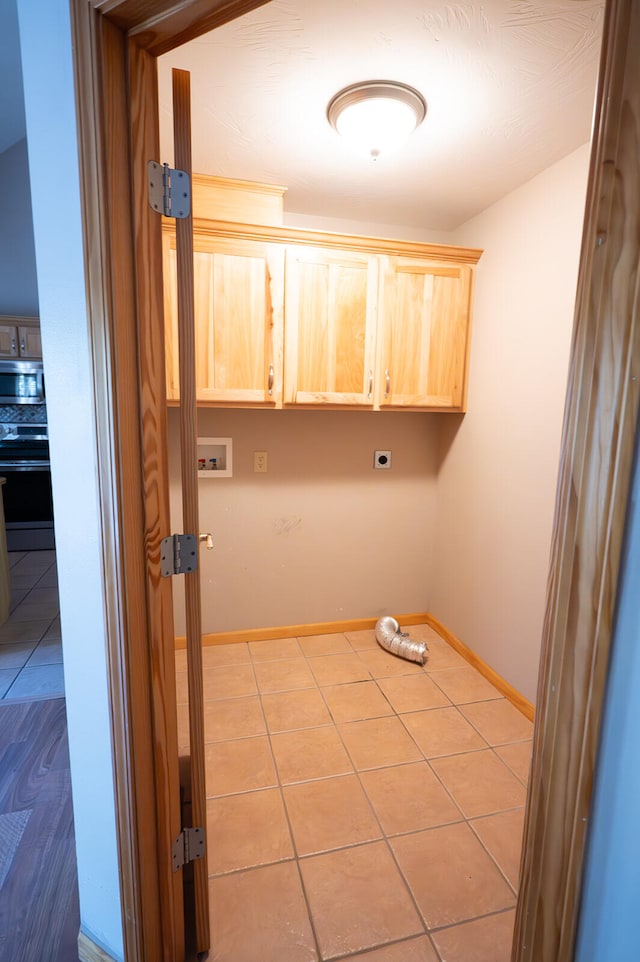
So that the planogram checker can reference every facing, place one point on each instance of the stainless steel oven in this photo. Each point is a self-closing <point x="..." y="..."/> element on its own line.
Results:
<point x="21" y="382"/>
<point x="28" y="503"/>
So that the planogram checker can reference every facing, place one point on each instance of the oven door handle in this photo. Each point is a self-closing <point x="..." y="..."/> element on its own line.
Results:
<point x="18" y="464"/>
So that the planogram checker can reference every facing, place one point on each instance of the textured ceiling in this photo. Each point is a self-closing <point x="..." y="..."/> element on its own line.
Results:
<point x="509" y="85"/>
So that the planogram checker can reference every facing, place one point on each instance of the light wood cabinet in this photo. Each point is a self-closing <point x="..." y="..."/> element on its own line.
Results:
<point x="330" y="326"/>
<point x="238" y="287"/>
<point x="20" y="337"/>
<point x="296" y="318"/>
<point x="424" y="334"/>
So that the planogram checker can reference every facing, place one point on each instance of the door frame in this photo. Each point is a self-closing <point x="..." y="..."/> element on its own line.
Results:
<point x="116" y="43"/>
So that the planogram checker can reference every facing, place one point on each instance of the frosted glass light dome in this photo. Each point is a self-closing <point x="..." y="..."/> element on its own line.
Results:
<point x="376" y="116"/>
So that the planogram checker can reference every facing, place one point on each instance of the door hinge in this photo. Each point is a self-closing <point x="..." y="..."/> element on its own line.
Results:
<point x="178" y="555"/>
<point x="169" y="190"/>
<point x="188" y="847"/>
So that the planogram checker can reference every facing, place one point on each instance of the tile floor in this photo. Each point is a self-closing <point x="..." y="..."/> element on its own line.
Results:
<point x="30" y="641"/>
<point x="359" y="806"/>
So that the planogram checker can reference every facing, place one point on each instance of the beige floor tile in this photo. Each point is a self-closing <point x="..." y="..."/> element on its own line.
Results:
<point x="338" y="669"/>
<point x="502" y="836"/>
<point x="357" y="899"/>
<point x="233" y="718"/>
<point x="29" y="611"/>
<point x="480" y="783"/>
<point x="247" y="830"/>
<point x="286" y="675"/>
<point x="413" y="693"/>
<point x="290" y="710"/>
<point x="333" y="644"/>
<point x="485" y="940"/>
<point x="232" y="681"/>
<point x="275" y="650"/>
<point x="382" y="664"/>
<point x="407" y="798"/>
<point x="361" y="699"/>
<point x="42" y="681"/>
<point x="181" y="659"/>
<point x="360" y="640"/>
<point x="216" y="656"/>
<point x="442" y="731"/>
<point x="451" y="875"/>
<point x="14" y="632"/>
<point x="243" y="765"/>
<point x="518" y="758"/>
<point x="441" y="655"/>
<point x="377" y="742"/>
<point x="463" y="685"/>
<point x="311" y="753"/>
<point x="16" y="656"/>
<point x="46" y="653"/>
<point x="413" y="950"/>
<point x="329" y="813"/>
<point x="7" y="678"/>
<point x="498" y="721"/>
<point x="422" y="633"/>
<point x="261" y="916"/>
<point x="182" y="688"/>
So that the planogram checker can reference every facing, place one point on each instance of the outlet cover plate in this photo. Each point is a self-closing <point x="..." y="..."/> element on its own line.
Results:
<point x="382" y="460"/>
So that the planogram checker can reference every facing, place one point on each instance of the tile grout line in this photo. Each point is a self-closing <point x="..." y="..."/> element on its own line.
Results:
<point x="294" y="846"/>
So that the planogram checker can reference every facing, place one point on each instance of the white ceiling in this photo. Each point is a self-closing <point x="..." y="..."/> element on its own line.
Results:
<point x="509" y="86"/>
<point x="12" y="124"/>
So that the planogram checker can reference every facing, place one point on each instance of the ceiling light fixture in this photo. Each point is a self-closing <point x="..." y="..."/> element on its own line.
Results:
<point x="376" y="116"/>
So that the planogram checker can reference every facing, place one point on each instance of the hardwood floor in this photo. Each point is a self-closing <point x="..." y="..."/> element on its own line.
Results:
<point x="39" y="913"/>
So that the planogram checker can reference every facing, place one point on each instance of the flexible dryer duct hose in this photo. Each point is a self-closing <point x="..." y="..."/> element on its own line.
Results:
<point x="389" y="637"/>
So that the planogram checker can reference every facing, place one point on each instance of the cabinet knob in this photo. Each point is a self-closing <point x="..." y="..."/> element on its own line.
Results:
<point x="387" y="383"/>
<point x="271" y="375"/>
<point x="370" y="384"/>
<point x="207" y="541"/>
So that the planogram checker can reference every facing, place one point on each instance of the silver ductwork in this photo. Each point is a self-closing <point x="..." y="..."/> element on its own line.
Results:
<point x="389" y="637"/>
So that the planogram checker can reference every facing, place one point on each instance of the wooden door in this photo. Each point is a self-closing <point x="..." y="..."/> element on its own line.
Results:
<point x="238" y="314"/>
<point x="330" y="319"/>
<point x="425" y="327"/>
<point x="195" y="769"/>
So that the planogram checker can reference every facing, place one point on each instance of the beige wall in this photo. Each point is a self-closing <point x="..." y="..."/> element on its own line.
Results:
<point x="321" y="536"/>
<point x="497" y="480"/>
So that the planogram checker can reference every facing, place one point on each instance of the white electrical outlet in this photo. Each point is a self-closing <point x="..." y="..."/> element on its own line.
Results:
<point x="260" y="462"/>
<point x="382" y="460"/>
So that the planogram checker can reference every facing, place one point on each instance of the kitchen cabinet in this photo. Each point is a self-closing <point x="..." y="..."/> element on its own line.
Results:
<point x="424" y="334"/>
<point x="330" y="326"/>
<point x="20" y="337"/>
<point x="238" y="287"/>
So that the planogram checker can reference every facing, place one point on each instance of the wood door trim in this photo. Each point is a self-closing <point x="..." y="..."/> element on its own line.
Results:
<point x="596" y="467"/>
<point x="160" y="25"/>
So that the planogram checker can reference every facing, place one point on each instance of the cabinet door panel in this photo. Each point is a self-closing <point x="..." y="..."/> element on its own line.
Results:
<point x="330" y="308"/>
<point x="8" y="340"/>
<point x="238" y="314"/>
<point x="426" y="326"/>
<point x="30" y="341"/>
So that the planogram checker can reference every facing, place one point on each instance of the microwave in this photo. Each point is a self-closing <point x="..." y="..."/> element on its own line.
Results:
<point x="21" y="382"/>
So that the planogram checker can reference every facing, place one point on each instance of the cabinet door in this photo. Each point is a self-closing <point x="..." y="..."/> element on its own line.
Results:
<point x="238" y="314"/>
<point x="330" y="318"/>
<point x="426" y="325"/>
<point x="30" y="341"/>
<point x="8" y="340"/>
